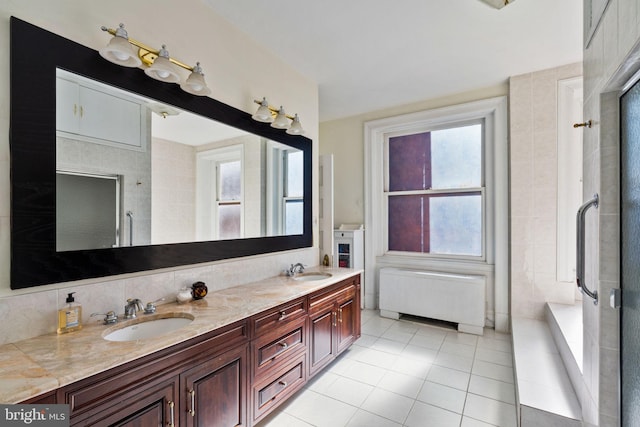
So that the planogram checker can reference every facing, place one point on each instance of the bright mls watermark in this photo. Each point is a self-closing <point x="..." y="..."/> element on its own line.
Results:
<point x="34" y="415"/>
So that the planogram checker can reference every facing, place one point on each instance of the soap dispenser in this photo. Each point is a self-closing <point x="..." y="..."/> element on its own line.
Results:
<point x="70" y="316"/>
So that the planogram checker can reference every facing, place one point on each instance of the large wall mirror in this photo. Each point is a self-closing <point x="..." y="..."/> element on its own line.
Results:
<point x="113" y="172"/>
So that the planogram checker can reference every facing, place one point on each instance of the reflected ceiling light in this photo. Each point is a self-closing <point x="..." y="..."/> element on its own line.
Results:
<point x="499" y="4"/>
<point x="277" y="117"/>
<point x="160" y="66"/>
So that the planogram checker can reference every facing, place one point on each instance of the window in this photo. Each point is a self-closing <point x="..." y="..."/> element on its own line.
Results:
<point x="228" y="200"/>
<point x="293" y="192"/>
<point x="460" y="195"/>
<point x="434" y="191"/>
<point x="220" y="194"/>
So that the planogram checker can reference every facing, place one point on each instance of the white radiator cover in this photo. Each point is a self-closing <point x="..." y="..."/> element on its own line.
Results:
<point x="450" y="297"/>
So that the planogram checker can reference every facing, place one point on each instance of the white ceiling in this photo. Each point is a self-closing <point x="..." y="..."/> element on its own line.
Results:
<point x="368" y="55"/>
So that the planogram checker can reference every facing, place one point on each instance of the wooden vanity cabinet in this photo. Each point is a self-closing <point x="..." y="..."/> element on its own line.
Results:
<point x="278" y="355"/>
<point x="232" y="376"/>
<point x="334" y="322"/>
<point x="202" y="382"/>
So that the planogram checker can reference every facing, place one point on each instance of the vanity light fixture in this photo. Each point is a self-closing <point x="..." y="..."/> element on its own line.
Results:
<point x="277" y="117"/>
<point x="499" y="4"/>
<point x="160" y="66"/>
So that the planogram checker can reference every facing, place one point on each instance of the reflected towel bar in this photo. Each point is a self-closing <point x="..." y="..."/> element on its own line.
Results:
<point x="580" y="248"/>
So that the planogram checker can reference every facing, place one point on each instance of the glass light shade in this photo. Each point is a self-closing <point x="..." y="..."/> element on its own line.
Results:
<point x="195" y="83"/>
<point x="296" y="127"/>
<point x="162" y="69"/>
<point x="121" y="52"/>
<point x="263" y="114"/>
<point x="281" y="121"/>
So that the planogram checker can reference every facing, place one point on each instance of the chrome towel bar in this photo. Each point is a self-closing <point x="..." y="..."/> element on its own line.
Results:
<point x="580" y="248"/>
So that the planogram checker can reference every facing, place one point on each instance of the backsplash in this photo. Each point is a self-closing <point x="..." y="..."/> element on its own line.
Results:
<point x="32" y="314"/>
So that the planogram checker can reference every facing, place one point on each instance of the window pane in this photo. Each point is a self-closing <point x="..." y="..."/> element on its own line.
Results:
<point x="229" y="221"/>
<point x="409" y="166"/>
<point x="294" y="216"/>
<point x="295" y="178"/>
<point x="408" y="223"/>
<point x="230" y="182"/>
<point x="456" y="157"/>
<point x="455" y="224"/>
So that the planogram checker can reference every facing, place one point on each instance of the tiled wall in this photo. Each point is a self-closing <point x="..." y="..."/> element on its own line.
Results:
<point x="609" y="61"/>
<point x="533" y="193"/>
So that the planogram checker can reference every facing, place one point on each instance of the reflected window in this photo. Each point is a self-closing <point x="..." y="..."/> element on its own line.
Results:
<point x="293" y="192"/>
<point x="229" y="205"/>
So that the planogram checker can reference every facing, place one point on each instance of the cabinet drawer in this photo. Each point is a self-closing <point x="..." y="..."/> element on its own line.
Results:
<point x="279" y="316"/>
<point x="273" y="348"/>
<point x="321" y="300"/>
<point x="269" y="393"/>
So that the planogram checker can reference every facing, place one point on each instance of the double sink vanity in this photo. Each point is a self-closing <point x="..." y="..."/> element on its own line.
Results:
<point x="240" y="353"/>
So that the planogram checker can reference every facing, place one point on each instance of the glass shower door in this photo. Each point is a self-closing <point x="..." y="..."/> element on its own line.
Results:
<point x="630" y="255"/>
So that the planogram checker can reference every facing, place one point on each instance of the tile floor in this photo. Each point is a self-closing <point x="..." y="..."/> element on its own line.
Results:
<point x="404" y="373"/>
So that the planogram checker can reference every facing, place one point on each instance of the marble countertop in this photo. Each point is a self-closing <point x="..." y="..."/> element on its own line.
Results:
<point x="37" y="365"/>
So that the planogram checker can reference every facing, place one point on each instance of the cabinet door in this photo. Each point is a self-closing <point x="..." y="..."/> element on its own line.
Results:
<point x="322" y="338"/>
<point x="346" y="324"/>
<point x="214" y="393"/>
<point x="153" y="406"/>
<point x="67" y="108"/>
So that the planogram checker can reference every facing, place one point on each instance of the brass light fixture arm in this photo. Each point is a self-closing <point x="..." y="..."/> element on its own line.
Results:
<point x="274" y="110"/>
<point x="144" y="51"/>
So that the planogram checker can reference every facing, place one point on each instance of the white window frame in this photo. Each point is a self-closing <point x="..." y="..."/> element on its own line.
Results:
<point x="482" y="190"/>
<point x="208" y="189"/>
<point x="494" y="264"/>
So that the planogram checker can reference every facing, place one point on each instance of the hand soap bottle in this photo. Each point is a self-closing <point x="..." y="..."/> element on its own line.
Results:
<point x="70" y="316"/>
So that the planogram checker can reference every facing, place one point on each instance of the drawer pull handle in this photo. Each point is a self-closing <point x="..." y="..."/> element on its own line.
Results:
<point x="283" y="315"/>
<point x="283" y="383"/>
<point x="171" y="416"/>
<point x="334" y="319"/>
<point x="192" y="411"/>
<point x="340" y="318"/>
<point x="283" y="345"/>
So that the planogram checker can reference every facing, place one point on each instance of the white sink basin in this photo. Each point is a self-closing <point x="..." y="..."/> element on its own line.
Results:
<point x="149" y="328"/>
<point x="305" y="277"/>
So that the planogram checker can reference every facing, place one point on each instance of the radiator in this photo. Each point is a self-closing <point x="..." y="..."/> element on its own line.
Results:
<point x="450" y="297"/>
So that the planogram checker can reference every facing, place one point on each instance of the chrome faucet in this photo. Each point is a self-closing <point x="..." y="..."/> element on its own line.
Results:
<point x="133" y="305"/>
<point x="295" y="268"/>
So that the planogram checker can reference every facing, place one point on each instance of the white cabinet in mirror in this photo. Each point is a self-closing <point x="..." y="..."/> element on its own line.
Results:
<point x="171" y="176"/>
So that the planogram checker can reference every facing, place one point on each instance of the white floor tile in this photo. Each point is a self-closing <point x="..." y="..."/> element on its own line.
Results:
<point x="427" y="341"/>
<point x="402" y="384"/>
<point x="367" y="419"/>
<point x="459" y="363"/>
<point x="491" y="370"/>
<point x="493" y="389"/>
<point x="419" y="353"/>
<point x="376" y="358"/>
<point x="449" y="377"/>
<point x="282" y="419"/>
<point x="413" y="367"/>
<point x="388" y="405"/>
<point x="365" y="340"/>
<point x="388" y="345"/>
<point x="458" y="349"/>
<point x="349" y="391"/>
<point x="494" y="356"/>
<point x="319" y="410"/>
<point x="470" y="422"/>
<point x="358" y="371"/>
<point x="398" y="335"/>
<point x="461" y="338"/>
<point x="443" y="397"/>
<point x="490" y="411"/>
<point x="423" y="414"/>
<point x="495" y="344"/>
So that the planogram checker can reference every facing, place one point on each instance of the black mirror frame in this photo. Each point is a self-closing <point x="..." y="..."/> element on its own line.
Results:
<point x="35" y="55"/>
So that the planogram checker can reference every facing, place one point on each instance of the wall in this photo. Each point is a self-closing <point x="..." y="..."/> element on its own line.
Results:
<point x="237" y="70"/>
<point x="534" y="191"/>
<point x="609" y="61"/>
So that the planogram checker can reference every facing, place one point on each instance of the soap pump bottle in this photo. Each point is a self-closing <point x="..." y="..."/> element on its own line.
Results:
<point x="70" y="316"/>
